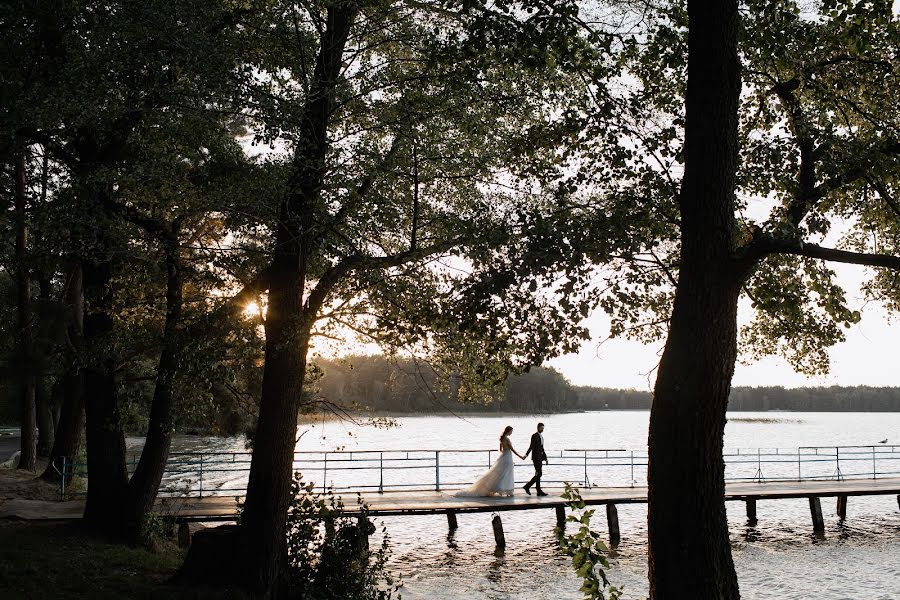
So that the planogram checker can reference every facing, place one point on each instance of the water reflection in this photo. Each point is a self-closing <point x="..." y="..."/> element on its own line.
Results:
<point x="495" y="568"/>
<point x="752" y="534"/>
<point x="452" y="554"/>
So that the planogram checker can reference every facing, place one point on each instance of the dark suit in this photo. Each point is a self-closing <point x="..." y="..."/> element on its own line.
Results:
<point x="538" y="456"/>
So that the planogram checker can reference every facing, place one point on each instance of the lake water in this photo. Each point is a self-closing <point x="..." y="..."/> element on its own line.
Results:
<point x="778" y="558"/>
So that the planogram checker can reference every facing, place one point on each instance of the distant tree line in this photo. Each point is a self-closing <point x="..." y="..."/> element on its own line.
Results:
<point x="405" y="386"/>
<point x="379" y="384"/>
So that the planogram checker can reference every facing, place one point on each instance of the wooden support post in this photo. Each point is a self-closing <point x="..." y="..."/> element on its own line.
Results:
<point x="560" y="516"/>
<point x="451" y="519"/>
<point x="612" y="521"/>
<point x="898" y="500"/>
<point x="842" y="507"/>
<point x="815" y="510"/>
<point x="498" y="531"/>
<point x="751" y="511"/>
<point x="365" y="530"/>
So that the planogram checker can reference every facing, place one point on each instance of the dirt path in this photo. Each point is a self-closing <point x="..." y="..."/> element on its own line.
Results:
<point x="23" y="484"/>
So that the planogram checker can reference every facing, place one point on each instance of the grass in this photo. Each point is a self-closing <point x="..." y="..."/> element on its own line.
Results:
<point x="62" y="560"/>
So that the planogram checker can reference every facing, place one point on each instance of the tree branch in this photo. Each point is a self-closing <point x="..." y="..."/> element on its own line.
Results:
<point x="882" y="191"/>
<point x="365" y="186"/>
<point x="769" y="245"/>
<point x="804" y="199"/>
<point x="415" y="212"/>
<point x="233" y="305"/>
<point x="338" y="272"/>
<point x="149" y="224"/>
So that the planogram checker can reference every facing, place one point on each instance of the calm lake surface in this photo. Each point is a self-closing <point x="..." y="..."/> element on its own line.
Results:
<point x="778" y="558"/>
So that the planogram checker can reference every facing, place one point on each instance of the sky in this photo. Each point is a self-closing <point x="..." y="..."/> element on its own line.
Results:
<point x="869" y="356"/>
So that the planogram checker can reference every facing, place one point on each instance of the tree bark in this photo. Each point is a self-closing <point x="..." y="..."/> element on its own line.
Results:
<point x="28" y="457"/>
<point x="262" y="543"/>
<point x="67" y="441"/>
<point x="46" y="428"/>
<point x="42" y="396"/>
<point x="144" y="484"/>
<point x="107" y="472"/>
<point x="689" y="549"/>
<point x="264" y="524"/>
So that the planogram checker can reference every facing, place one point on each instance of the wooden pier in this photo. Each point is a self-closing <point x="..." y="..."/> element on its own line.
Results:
<point x="431" y="502"/>
<point x="204" y="487"/>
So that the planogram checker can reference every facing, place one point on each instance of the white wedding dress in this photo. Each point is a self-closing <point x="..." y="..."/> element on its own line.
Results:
<point x="499" y="479"/>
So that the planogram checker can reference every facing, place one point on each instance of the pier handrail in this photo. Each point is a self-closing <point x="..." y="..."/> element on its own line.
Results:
<point x="222" y="472"/>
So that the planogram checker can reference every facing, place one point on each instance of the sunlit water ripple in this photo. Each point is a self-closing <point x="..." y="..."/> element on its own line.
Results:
<point x="778" y="558"/>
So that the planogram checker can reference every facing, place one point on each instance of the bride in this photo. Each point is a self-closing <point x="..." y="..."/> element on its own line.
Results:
<point x="499" y="480"/>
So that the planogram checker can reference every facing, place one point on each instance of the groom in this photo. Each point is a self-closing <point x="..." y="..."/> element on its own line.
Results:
<point x="538" y="456"/>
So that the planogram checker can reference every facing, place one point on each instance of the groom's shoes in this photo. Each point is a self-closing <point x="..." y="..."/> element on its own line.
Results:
<point x="540" y="493"/>
<point x="527" y="491"/>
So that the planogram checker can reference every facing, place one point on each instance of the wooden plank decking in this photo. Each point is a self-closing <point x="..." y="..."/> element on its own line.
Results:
<point x="430" y="502"/>
<point x="224" y="508"/>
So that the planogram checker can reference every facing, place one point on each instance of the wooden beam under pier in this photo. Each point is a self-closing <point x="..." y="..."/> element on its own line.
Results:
<point x="751" y="511"/>
<point x="499" y="538"/>
<point x="815" y="510"/>
<point x="612" y="521"/>
<point x="842" y="507"/>
<point x="560" y="516"/>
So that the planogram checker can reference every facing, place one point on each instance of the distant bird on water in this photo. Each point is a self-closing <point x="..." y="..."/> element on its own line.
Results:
<point x="884" y="441"/>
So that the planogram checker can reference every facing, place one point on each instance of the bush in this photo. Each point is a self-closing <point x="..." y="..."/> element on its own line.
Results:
<point x="328" y="549"/>
<point x="587" y="550"/>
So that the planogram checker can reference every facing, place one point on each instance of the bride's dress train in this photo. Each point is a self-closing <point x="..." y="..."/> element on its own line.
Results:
<point x="498" y="481"/>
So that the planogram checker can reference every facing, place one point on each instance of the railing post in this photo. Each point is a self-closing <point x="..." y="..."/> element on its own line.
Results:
<point x="874" y="469"/>
<point x="799" y="475"/>
<point x="437" y="470"/>
<point x="585" y="470"/>
<point x="201" y="474"/>
<point x="837" y="461"/>
<point x="632" y="468"/>
<point x="324" y="473"/>
<point x="381" y="472"/>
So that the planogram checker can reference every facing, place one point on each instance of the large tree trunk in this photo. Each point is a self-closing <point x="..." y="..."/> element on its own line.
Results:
<point x="42" y="395"/>
<point x="264" y="522"/>
<point x="107" y="471"/>
<point x="25" y="325"/>
<point x="288" y="324"/>
<point x="144" y="484"/>
<point x="690" y="554"/>
<point x="46" y="428"/>
<point x="260" y="549"/>
<point x="253" y="555"/>
<point x="67" y="441"/>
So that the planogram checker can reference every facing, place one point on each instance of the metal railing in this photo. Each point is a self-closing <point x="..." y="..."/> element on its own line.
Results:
<point x="202" y="474"/>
